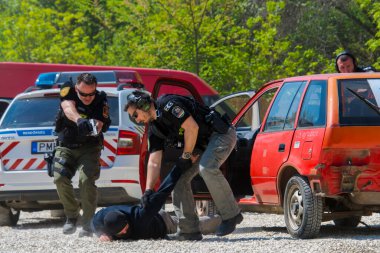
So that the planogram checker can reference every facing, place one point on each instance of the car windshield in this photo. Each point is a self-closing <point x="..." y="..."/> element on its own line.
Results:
<point x="42" y="111"/>
<point x="354" y="111"/>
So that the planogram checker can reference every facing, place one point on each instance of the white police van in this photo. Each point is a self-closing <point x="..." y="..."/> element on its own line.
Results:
<point x="27" y="133"/>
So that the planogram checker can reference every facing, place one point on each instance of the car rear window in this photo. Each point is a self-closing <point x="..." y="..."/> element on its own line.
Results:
<point x="41" y="112"/>
<point x="313" y="111"/>
<point x="359" y="100"/>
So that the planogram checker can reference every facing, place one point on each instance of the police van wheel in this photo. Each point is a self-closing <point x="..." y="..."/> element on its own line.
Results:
<point x="205" y="207"/>
<point x="57" y="213"/>
<point x="8" y="216"/>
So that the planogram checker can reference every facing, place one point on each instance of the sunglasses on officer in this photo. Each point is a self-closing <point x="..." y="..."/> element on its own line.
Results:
<point x="86" y="94"/>
<point x="82" y="94"/>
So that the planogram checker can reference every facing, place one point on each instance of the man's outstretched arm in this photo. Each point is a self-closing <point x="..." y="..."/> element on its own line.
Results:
<point x="158" y="199"/>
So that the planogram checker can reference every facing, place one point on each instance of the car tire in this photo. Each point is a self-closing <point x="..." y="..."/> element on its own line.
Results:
<point x="350" y="222"/>
<point x="205" y="207"/>
<point x="8" y="216"/>
<point x="302" y="209"/>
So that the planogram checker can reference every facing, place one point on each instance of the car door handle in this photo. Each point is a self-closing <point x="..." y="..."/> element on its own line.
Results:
<point x="281" y="147"/>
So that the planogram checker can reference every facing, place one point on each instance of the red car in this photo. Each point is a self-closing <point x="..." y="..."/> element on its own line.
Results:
<point x="308" y="147"/>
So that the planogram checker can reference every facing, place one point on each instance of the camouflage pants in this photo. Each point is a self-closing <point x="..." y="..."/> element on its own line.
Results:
<point x="67" y="162"/>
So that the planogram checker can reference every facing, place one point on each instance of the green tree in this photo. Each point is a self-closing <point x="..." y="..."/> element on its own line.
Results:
<point x="372" y="9"/>
<point x="232" y="44"/>
<point x="38" y="34"/>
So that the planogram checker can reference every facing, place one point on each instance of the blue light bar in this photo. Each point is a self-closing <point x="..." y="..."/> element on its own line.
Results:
<point x="106" y="77"/>
<point x="46" y="79"/>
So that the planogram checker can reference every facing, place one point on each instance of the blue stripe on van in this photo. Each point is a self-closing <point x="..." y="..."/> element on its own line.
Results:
<point x="8" y="132"/>
<point x="40" y="132"/>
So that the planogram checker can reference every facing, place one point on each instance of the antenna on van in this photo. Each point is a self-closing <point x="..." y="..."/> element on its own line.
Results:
<point x="71" y="80"/>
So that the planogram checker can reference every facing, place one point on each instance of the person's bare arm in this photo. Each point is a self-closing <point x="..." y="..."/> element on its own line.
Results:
<point x="70" y="111"/>
<point x="154" y="168"/>
<point x="191" y="133"/>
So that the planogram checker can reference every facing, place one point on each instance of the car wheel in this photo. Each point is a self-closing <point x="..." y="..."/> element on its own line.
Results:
<point x="205" y="207"/>
<point x="8" y="216"/>
<point x="302" y="209"/>
<point x="350" y="222"/>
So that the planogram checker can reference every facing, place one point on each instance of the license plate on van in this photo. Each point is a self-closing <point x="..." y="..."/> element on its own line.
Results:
<point x="40" y="147"/>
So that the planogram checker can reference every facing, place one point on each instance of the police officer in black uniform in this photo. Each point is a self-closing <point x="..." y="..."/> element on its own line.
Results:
<point x="83" y="116"/>
<point x="183" y="121"/>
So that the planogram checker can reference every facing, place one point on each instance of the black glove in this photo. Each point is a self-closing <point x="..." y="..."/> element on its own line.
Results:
<point x="184" y="164"/>
<point x="84" y="127"/>
<point x="145" y="198"/>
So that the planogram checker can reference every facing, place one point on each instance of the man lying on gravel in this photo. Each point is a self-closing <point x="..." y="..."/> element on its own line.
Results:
<point x="145" y="222"/>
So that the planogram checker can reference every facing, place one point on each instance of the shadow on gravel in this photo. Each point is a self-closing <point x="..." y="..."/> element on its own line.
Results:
<point x="254" y="231"/>
<point x="327" y="231"/>
<point x="243" y="230"/>
<point x="358" y="233"/>
<point x="243" y="239"/>
<point x="40" y="223"/>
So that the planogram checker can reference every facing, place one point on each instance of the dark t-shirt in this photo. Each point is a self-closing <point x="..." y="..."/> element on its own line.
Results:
<point x="98" y="110"/>
<point x="172" y="111"/>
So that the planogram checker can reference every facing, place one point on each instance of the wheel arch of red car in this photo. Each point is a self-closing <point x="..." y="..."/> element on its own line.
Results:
<point x="286" y="171"/>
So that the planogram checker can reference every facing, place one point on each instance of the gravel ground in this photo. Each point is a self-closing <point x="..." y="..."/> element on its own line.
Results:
<point x="39" y="232"/>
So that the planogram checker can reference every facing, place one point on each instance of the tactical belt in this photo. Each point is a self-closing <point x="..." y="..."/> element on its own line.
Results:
<point x="71" y="145"/>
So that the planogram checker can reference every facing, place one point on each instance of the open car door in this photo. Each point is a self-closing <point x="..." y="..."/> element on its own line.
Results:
<point x="248" y="123"/>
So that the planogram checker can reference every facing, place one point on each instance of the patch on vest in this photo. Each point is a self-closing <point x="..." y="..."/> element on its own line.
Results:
<point x="168" y="106"/>
<point x="64" y="91"/>
<point x="178" y="112"/>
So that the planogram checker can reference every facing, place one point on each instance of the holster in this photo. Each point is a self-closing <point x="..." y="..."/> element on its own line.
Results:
<point x="49" y="158"/>
<point x="66" y="169"/>
<point x="217" y="122"/>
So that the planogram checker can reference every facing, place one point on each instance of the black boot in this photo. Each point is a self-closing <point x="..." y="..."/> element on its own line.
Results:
<point x="228" y="226"/>
<point x="86" y="231"/>
<point x="70" y="226"/>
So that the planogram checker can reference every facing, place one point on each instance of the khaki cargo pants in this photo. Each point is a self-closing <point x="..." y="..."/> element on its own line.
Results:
<point x="67" y="162"/>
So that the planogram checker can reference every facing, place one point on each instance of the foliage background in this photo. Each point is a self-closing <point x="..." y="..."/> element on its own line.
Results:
<point x="233" y="44"/>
